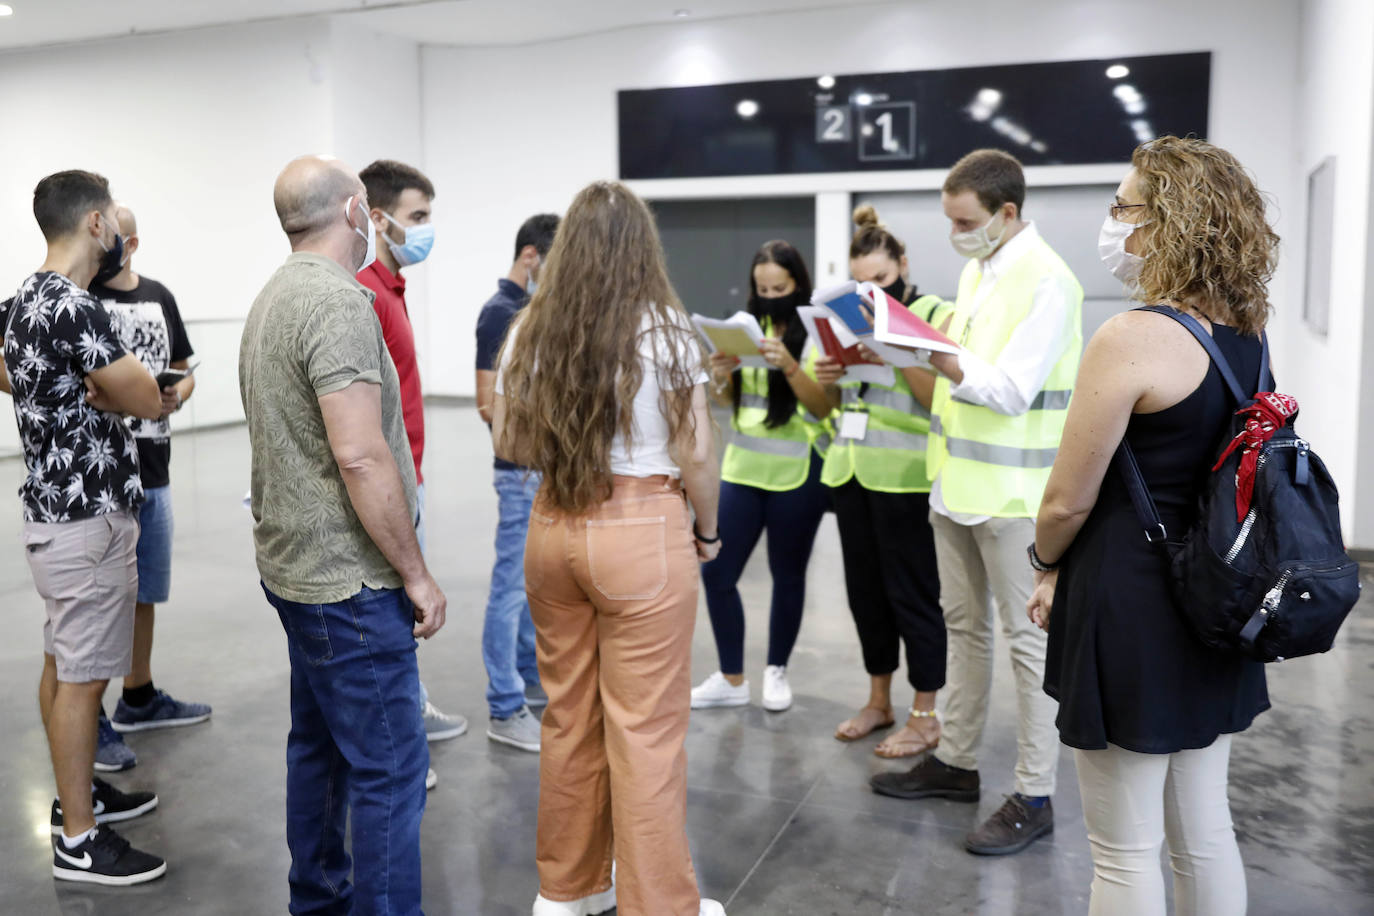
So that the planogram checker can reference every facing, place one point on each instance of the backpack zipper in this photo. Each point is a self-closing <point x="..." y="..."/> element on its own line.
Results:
<point x="1244" y="534"/>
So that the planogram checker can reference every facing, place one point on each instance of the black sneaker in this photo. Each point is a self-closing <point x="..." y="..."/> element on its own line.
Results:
<point x="929" y="779"/>
<point x="1012" y="828"/>
<point x="110" y="804"/>
<point x="104" y="858"/>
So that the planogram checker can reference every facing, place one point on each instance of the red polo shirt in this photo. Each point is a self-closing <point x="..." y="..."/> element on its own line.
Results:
<point x="390" y="305"/>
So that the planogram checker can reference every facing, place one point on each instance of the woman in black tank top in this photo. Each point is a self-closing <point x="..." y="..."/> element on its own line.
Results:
<point x="1148" y="709"/>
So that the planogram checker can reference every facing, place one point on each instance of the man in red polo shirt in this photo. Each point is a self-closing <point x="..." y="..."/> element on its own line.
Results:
<point x="400" y="196"/>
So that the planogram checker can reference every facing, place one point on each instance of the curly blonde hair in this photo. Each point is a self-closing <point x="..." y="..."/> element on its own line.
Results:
<point x="1209" y="241"/>
<point x="574" y="365"/>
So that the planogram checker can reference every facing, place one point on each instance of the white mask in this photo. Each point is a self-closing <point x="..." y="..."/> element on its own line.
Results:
<point x="368" y="233"/>
<point x="1111" y="248"/>
<point x="976" y="243"/>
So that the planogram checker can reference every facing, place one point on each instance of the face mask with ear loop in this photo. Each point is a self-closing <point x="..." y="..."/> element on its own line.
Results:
<point x="419" y="241"/>
<point x="370" y="234"/>
<point x="976" y="243"/>
<point x="532" y="284"/>
<point x="1111" y="248"/>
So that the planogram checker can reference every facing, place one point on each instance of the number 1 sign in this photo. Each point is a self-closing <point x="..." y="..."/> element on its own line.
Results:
<point x="887" y="131"/>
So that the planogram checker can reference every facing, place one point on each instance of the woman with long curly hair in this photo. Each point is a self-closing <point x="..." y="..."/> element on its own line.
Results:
<point x="601" y="389"/>
<point x="1147" y="707"/>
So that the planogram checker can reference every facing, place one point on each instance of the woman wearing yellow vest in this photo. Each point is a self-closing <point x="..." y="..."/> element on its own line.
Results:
<point x="770" y="480"/>
<point x="877" y="469"/>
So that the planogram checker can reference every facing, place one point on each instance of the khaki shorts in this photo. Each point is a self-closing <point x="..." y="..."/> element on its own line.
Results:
<point x="87" y="573"/>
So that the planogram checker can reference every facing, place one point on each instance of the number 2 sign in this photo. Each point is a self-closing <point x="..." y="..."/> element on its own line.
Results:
<point x="834" y="124"/>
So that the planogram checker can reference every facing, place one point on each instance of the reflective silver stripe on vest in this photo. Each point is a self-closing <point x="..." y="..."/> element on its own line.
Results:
<point x="786" y="448"/>
<point x="895" y="400"/>
<point x="756" y="401"/>
<point x="1057" y="399"/>
<point x="887" y="438"/>
<point x="1004" y="455"/>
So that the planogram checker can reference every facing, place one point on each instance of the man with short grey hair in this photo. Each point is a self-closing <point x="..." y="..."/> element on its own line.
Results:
<point x="333" y="500"/>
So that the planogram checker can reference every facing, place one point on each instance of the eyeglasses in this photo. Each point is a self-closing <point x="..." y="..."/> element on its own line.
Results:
<point x="1118" y="210"/>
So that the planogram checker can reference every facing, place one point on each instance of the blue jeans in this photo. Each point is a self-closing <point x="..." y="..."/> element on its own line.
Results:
<point x="154" y="549"/>
<point x="357" y="743"/>
<point x="508" y="634"/>
<point x="791" y="519"/>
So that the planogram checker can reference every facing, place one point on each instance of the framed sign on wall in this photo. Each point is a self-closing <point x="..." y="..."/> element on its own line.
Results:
<point x="1054" y="113"/>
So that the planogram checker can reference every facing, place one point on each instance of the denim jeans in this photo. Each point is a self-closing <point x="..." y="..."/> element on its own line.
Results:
<point x="357" y="744"/>
<point x="508" y="634"/>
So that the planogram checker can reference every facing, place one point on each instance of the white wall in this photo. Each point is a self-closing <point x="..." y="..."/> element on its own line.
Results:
<point x="514" y="130"/>
<point x="192" y="128"/>
<point x="1329" y="374"/>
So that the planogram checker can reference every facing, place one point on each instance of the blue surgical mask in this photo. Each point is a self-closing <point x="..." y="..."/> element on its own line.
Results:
<point x="416" y="247"/>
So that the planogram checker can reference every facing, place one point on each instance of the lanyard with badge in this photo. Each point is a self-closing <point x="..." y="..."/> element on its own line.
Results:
<point x="854" y="418"/>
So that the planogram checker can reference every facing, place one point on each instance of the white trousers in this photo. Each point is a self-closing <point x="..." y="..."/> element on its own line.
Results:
<point x="1132" y="802"/>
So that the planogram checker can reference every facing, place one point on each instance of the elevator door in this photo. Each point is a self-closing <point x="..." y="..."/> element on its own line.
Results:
<point x="710" y="244"/>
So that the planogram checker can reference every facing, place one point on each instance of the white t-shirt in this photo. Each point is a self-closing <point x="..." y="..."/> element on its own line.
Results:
<point x="648" y="455"/>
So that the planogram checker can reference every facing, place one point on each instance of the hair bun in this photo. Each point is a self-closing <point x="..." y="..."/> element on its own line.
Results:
<point x="866" y="216"/>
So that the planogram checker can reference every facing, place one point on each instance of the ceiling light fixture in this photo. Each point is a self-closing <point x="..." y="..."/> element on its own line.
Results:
<point x="747" y="108"/>
<point x="6" y="9"/>
<point x="1118" y="71"/>
<point x="826" y="82"/>
<point x="681" y="14"/>
<point x="863" y="98"/>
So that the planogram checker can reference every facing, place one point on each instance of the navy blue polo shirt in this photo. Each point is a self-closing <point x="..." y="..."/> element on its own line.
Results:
<point x="492" y="324"/>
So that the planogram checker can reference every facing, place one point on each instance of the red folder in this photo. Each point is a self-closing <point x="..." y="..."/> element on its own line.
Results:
<point x="845" y="356"/>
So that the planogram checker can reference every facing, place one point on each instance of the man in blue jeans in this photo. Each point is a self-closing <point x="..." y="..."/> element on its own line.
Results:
<point x="333" y="501"/>
<point x="508" y="633"/>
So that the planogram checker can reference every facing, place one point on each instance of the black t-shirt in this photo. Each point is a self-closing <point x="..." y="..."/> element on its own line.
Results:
<point x="149" y="326"/>
<point x="493" y="321"/>
<point x="81" y="461"/>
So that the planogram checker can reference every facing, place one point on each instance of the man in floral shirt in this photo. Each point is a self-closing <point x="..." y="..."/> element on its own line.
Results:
<point x="71" y="381"/>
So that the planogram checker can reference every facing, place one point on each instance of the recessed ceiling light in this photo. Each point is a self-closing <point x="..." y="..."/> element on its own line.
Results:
<point x="863" y="98"/>
<point x="747" y="108"/>
<point x="826" y="82"/>
<point x="6" y="9"/>
<point x="1118" y="71"/>
<point x="682" y="14"/>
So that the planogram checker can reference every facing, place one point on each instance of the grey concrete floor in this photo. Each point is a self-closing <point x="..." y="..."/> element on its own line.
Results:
<point x="780" y="815"/>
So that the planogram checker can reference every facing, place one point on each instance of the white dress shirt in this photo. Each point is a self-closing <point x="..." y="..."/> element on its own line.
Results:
<point x="1010" y="384"/>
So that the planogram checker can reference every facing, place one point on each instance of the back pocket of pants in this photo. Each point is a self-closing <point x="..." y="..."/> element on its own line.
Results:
<point x="628" y="558"/>
<point x="536" y="550"/>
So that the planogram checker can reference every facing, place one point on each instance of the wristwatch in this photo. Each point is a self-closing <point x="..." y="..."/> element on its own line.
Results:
<point x="1036" y="563"/>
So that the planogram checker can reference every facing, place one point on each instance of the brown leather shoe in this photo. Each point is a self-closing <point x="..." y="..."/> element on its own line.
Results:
<point x="929" y="779"/>
<point x="1012" y="828"/>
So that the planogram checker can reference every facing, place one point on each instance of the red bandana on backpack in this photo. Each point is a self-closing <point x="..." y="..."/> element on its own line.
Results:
<point x="1269" y="412"/>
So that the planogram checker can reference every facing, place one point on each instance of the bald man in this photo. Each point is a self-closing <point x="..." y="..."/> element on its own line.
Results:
<point x="144" y="314"/>
<point x="333" y="500"/>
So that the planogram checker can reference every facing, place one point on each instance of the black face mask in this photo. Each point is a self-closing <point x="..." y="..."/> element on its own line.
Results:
<point x="896" y="289"/>
<point x="111" y="262"/>
<point x="778" y="308"/>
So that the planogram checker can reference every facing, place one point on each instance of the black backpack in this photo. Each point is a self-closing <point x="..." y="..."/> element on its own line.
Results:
<point x="1263" y="571"/>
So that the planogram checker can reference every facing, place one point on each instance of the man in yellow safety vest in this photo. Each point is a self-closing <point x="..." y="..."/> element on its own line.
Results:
<point x="997" y="416"/>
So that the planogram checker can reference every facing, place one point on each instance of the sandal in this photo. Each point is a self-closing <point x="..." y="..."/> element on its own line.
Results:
<point x="896" y="746"/>
<point x="884" y="720"/>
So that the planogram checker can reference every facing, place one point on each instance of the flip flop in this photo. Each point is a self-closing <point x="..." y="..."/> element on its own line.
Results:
<point x="891" y="721"/>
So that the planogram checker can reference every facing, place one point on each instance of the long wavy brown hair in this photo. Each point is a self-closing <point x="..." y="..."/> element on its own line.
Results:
<point x="571" y="364"/>
<point x="1209" y="242"/>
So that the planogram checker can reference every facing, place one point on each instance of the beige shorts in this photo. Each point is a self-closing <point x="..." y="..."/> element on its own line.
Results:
<point x="87" y="573"/>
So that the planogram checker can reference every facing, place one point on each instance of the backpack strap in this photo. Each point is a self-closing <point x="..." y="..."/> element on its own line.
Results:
<point x="1129" y="469"/>
<point x="1210" y="345"/>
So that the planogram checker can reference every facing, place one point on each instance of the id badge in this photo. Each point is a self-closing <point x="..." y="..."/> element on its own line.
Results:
<point x="853" y="425"/>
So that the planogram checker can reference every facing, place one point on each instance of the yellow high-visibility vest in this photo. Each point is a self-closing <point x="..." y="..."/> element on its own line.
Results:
<point x="989" y="463"/>
<point x="891" y="457"/>
<point x="771" y="459"/>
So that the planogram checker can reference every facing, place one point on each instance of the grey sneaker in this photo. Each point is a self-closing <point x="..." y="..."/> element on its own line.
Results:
<point x="111" y="753"/>
<point x="520" y="730"/>
<point x="440" y="726"/>
<point x="535" y="696"/>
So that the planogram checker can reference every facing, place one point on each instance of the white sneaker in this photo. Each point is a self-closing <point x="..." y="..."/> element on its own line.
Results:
<point x="777" y="693"/>
<point x="710" y="908"/>
<point x="431" y="779"/>
<point x="716" y="691"/>
<point x="594" y="905"/>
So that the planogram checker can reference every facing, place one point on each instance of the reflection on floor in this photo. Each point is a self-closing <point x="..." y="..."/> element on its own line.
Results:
<point x="780" y="816"/>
